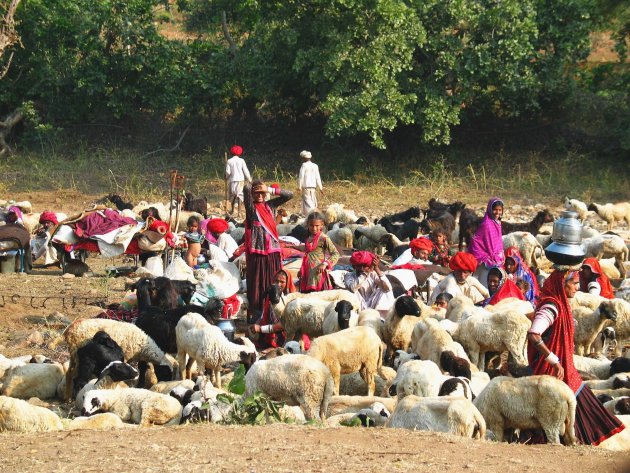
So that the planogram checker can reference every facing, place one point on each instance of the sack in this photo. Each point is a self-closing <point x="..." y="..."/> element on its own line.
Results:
<point x="180" y="271"/>
<point x="146" y="245"/>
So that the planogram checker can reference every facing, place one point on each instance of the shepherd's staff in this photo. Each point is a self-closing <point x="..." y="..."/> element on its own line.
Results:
<point x="226" y="182"/>
<point x="172" y="179"/>
<point x="179" y="186"/>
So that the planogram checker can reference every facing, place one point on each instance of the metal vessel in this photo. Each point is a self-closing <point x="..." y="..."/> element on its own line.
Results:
<point x="566" y="248"/>
<point x="227" y="327"/>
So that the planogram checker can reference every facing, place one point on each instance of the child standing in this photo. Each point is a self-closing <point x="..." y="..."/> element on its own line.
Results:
<point x="235" y="174"/>
<point x="308" y="182"/>
<point x="320" y="255"/>
<point x="194" y="240"/>
<point x="440" y="254"/>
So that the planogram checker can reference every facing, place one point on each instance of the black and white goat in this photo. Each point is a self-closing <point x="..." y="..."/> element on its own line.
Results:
<point x="94" y="357"/>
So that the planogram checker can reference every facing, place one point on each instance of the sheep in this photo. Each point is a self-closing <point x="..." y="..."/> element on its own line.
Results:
<point x="354" y="404"/>
<point x="374" y="236"/>
<point x="578" y="207"/>
<point x="592" y="367"/>
<point x="622" y="323"/>
<point x="611" y="213"/>
<point x="102" y="421"/>
<point x="607" y="246"/>
<point x="439" y="414"/>
<point x="208" y="347"/>
<point x="457" y="387"/>
<point x="455" y="365"/>
<point x="619" y="406"/>
<point x="7" y="363"/>
<point x="339" y="316"/>
<point x="374" y="416"/>
<point x="616" y="381"/>
<point x="33" y="380"/>
<point x="418" y="377"/>
<point x="619" y="442"/>
<point x="609" y="268"/>
<point x="605" y="339"/>
<point x="352" y="349"/>
<point x="353" y="384"/>
<point x="134" y="405"/>
<point x="297" y="380"/>
<point x="292" y="347"/>
<point x="342" y="237"/>
<point x="529" y="403"/>
<point x="619" y="365"/>
<point x="528" y="246"/>
<point x="589" y="323"/>
<point x="399" y="324"/>
<point x="111" y="377"/>
<point x="587" y="300"/>
<point x="429" y="340"/>
<point x="501" y="331"/>
<point x="533" y="227"/>
<point x="136" y="345"/>
<point x="393" y="246"/>
<point x="371" y="318"/>
<point x="20" y="416"/>
<point x="337" y="213"/>
<point x="94" y="357"/>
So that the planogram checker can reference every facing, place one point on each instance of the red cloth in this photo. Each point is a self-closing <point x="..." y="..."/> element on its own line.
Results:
<point x="217" y="225"/>
<point x="159" y="226"/>
<point x="231" y="306"/>
<point x="421" y="243"/>
<point x="236" y="150"/>
<point x="119" y="314"/>
<point x="266" y="219"/>
<point x="48" y="216"/>
<point x="602" y="279"/>
<point x="560" y="340"/>
<point x="463" y="262"/>
<point x="305" y="269"/>
<point x="507" y="289"/>
<point x="410" y="266"/>
<point x="362" y="258"/>
<point x="97" y="223"/>
<point x="275" y="186"/>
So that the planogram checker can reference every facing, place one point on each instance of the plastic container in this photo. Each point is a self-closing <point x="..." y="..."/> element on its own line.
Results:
<point x="7" y="263"/>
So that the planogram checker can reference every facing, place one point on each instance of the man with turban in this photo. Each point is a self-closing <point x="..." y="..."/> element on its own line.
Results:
<point x="221" y="245"/>
<point x="369" y="283"/>
<point x="418" y="252"/>
<point x="461" y="281"/>
<point x="39" y="244"/>
<point x="308" y="183"/>
<point x="235" y="174"/>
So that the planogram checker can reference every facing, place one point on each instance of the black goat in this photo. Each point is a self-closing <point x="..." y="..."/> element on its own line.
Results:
<point x="162" y="292"/>
<point x="409" y="229"/>
<point x="444" y="222"/>
<point x="150" y="212"/>
<point x="436" y="208"/>
<point x="94" y="357"/>
<point x="199" y="205"/>
<point x="393" y="223"/>
<point x="533" y="226"/>
<point x="119" y="202"/>
<point x="393" y="246"/>
<point x="468" y="223"/>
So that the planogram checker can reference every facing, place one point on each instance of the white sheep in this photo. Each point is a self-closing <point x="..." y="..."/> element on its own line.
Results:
<point x="138" y="406"/>
<point x="618" y="379"/>
<point x="619" y="442"/>
<point x="371" y="318"/>
<point x="354" y="404"/>
<point x="586" y="299"/>
<point x="592" y="367"/>
<point x="498" y="332"/>
<point x="622" y="324"/>
<point x="612" y="213"/>
<point x="296" y="380"/>
<point x="531" y="402"/>
<point x="429" y="340"/>
<point x="577" y="206"/>
<point x="33" y="380"/>
<point x="102" y="421"/>
<point x="418" y="377"/>
<point x="349" y="350"/>
<point x="337" y="213"/>
<point x="113" y="376"/>
<point x="439" y="414"/>
<point x="589" y="324"/>
<point x="135" y="344"/>
<point x="353" y="384"/>
<point x="208" y="347"/>
<point x="20" y="416"/>
<point x="342" y="237"/>
<point x="374" y="416"/>
<point x="528" y="246"/>
<point x="607" y="246"/>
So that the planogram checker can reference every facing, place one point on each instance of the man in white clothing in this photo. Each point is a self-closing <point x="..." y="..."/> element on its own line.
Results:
<point x="461" y="281"/>
<point x="308" y="182"/>
<point x="236" y="173"/>
<point x="369" y="283"/>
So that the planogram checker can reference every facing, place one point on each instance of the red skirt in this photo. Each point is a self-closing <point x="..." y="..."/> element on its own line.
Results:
<point x="593" y="423"/>
<point x="260" y="272"/>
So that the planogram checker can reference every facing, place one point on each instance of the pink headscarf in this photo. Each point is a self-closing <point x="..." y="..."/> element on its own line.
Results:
<point x="487" y="244"/>
<point x="18" y="212"/>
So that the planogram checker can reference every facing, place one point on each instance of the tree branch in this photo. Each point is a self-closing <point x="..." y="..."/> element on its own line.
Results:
<point x="8" y="35"/>
<point x="6" y="126"/>
<point x="226" y="32"/>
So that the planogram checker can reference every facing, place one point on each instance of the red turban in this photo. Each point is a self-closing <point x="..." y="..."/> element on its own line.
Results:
<point x="48" y="216"/>
<point x="362" y="258"/>
<point x="217" y="225"/>
<point x="421" y="244"/>
<point x="275" y="186"/>
<point x="236" y="150"/>
<point x="463" y="262"/>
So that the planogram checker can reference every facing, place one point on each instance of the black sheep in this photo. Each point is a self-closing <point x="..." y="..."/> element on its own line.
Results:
<point x="619" y="365"/>
<point x="94" y="357"/>
<point x="455" y="365"/>
<point x="344" y="313"/>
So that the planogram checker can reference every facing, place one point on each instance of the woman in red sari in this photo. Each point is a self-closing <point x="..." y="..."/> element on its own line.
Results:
<point x="550" y="351"/>
<point x="262" y="243"/>
<point x="269" y="327"/>
<point x="593" y="279"/>
<point x="500" y="287"/>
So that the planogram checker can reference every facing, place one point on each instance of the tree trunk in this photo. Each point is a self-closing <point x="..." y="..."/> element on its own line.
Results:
<point x="226" y="33"/>
<point x="8" y="35"/>
<point x="6" y="126"/>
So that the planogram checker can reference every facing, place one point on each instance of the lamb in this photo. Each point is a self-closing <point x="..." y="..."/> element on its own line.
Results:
<point x="494" y="332"/>
<point x="607" y="246"/>
<point x="352" y="349"/>
<point x="113" y="376"/>
<point x="589" y="323"/>
<point x="136" y="345"/>
<point x="533" y="227"/>
<point x="33" y="380"/>
<point x="20" y="416"/>
<point x="429" y="340"/>
<point x="374" y="416"/>
<point x="207" y="345"/>
<point x="354" y="404"/>
<point x="577" y="206"/>
<point x="103" y="421"/>
<point x="339" y="316"/>
<point x="94" y="357"/>
<point x="401" y="357"/>
<point x="528" y="246"/>
<point x="399" y="324"/>
<point x="337" y="213"/>
<point x="296" y="380"/>
<point x="619" y="406"/>
<point x="439" y="414"/>
<point x="371" y="318"/>
<point x="342" y="237"/>
<point x="134" y="405"/>
<point x="418" y="377"/>
<point x="611" y="213"/>
<point x="529" y="403"/>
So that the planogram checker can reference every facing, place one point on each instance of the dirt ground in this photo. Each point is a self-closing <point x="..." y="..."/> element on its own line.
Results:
<point x="28" y="325"/>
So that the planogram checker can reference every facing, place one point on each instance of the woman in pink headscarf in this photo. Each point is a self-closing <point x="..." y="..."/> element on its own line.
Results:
<point x="487" y="243"/>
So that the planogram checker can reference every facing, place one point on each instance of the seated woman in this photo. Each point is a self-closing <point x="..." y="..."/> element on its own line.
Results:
<point x="269" y="327"/>
<point x="369" y="283"/>
<point x="501" y="287"/>
<point x="14" y="215"/>
<point x="594" y="281"/>
<point x="517" y="269"/>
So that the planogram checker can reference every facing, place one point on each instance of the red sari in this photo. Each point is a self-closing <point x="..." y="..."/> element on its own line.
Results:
<point x="602" y="279"/>
<point x="318" y="250"/>
<point x="593" y="423"/>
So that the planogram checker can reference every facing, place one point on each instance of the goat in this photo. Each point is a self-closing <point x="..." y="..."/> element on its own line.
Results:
<point x="468" y="223"/>
<point x="533" y="227"/>
<point x="119" y="202"/>
<point x="199" y="205"/>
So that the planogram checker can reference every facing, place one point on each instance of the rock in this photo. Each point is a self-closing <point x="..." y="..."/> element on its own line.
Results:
<point x="54" y="320"/>
<point x="34" y="338"/>
<point x="68" y="276"/>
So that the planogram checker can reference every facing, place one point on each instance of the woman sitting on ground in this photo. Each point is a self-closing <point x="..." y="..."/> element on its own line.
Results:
<point x="269" y="327"/>
<point x="594" y="281"/>
<point x="517" y="269"/>
<point x="501" y="287"/>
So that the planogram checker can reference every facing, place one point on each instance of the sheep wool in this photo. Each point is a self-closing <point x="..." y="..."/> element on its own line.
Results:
<point x="20" y="416"/>
<point x="33" y="380"/>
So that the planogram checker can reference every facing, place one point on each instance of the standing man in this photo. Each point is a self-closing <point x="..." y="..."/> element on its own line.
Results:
<point x="308" y="182"/>
<point x="235" y="174"/>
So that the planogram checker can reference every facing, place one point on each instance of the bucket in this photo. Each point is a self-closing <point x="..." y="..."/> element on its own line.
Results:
<point x="7" y="263"/>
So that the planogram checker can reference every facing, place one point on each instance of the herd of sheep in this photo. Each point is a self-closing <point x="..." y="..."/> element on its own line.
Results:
<point x="421" y="368"/>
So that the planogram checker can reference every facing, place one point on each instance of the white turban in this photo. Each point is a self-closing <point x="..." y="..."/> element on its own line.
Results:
<point x="306" y="155"/>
